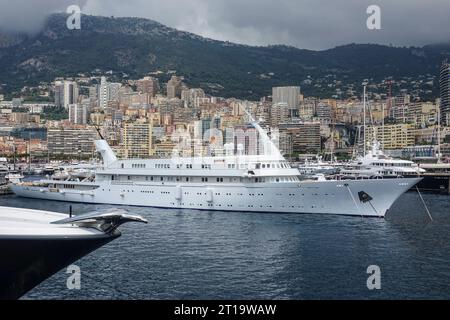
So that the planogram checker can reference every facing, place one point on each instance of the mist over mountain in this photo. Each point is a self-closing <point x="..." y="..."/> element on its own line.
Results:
<point x="135" y="47"/>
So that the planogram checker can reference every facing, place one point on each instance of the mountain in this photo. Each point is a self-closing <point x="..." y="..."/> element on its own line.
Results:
<point x="136" y="47"/>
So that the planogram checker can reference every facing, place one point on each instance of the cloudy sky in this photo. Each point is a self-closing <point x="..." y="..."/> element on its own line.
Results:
<point x="310" y="24"/>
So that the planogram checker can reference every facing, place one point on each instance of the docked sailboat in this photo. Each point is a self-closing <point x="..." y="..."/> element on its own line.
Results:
<point x="36" y="244"/>
<point x="256" y="183"/>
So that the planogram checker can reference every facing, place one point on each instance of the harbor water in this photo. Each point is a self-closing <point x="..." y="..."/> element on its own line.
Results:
<point x="183" y="254"/>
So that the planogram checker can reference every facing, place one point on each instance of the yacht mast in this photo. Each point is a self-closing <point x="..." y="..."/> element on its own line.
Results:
<point x="382" y="126"/>
<point x="439" y="135"/>
<point x="364" y="121"/>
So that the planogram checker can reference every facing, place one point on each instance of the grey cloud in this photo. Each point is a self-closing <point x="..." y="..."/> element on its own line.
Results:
<point x="29" y="15"/>
<point x="312" y="24"/>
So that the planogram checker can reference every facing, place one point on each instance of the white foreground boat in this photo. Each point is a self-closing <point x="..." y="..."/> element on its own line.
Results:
<point x="257" y="183"/>
<point x="36" y="244"/>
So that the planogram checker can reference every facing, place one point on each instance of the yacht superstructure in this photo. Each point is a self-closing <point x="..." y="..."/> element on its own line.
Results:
<point x="257" y="183"/>
<point x="376" y="164"/>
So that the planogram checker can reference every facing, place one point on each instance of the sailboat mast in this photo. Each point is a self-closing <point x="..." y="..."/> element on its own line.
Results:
<point x="29" y="151"/>
<point x="364" y="121"/>
<point x="382" y="127"/>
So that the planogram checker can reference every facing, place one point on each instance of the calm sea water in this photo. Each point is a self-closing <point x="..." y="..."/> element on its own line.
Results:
<point x="184" y="254"/>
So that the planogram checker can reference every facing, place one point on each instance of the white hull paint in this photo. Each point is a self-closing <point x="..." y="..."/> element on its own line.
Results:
<point x="325" y="197"/>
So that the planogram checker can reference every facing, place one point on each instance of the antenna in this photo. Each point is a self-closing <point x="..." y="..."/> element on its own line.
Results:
<point x="99" y="133"/>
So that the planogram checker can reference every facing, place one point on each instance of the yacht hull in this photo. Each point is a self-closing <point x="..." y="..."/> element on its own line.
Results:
<point x="27" y="261"/>
<point x="325" y="197"/>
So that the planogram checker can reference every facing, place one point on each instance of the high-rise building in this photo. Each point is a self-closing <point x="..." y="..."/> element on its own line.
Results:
<point x="93" y="94"/>
<point x="108" y="92"/>
<point x="59" y="94"/>
<point x="78" y="113"/>
<point x="392" y="136"/>
<point x="288" y="95"/>
<point x="323" y="112"/>
<point x="70" y="93"/>
<point x="444" y="84"/>
<point x="279" y="113"/>
<point x="300" y="138"/>
<point x="422" y="114"/>
<point x="137" y="140"/>
<point x="71" y="143"/>
<point x="66" y="93"/>
<point x="148" y="85"/>
<point x="113" y="92"/>
<point x="201" y="128"/>
<point x="103" y="93"/>
<point x="191" y="97"/>
<point x="174" y="87"/>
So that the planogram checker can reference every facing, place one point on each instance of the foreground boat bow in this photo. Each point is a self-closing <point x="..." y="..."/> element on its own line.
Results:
<point x="37" y="244"/>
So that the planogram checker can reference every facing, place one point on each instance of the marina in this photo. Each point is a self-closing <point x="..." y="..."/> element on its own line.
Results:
<point x="221" y="159"/>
